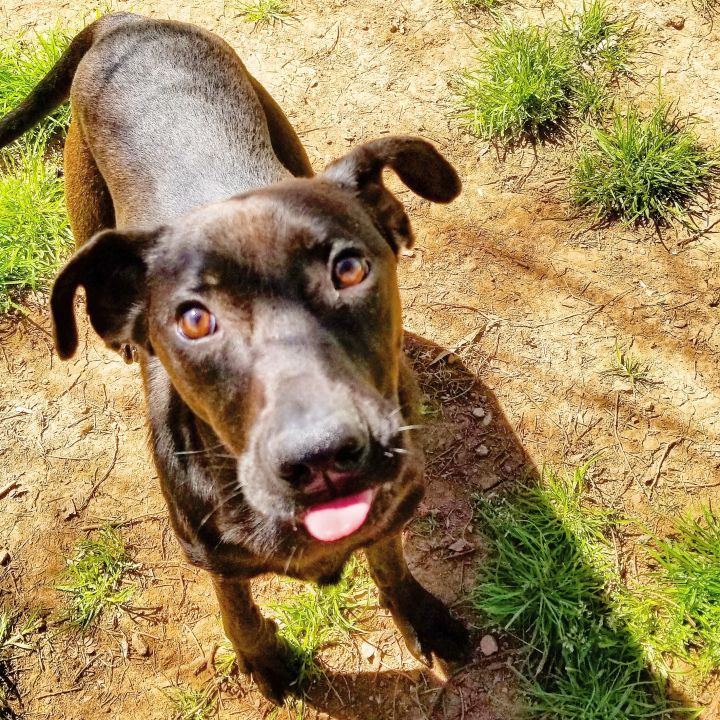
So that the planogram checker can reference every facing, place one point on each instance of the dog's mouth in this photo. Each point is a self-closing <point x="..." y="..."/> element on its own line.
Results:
<point x="338" y="518"/>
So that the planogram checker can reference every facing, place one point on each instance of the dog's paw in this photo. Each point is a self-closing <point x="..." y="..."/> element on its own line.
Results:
<point x="429" y="629"/>
<point x="273" y="671"/>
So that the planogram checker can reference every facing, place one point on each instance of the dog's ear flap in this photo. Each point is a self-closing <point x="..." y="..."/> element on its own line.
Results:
<point x="417" y="163"/>
<point x="111" y="267"/>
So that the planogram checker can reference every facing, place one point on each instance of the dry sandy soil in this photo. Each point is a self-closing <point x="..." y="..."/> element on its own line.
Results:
<point x="529" y="297"/>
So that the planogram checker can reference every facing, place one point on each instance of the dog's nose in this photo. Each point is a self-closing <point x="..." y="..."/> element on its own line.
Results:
<point x="335" y="449"/>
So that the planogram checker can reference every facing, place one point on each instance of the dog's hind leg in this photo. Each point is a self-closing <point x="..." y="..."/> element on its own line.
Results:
<point x="89" y="204"/>
<point x="260" y="651"/>
<point x="425" y="623"/>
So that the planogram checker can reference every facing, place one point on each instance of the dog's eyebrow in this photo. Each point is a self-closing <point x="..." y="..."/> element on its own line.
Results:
<point x="217" y="271"/>
<point x="209" y="279"/>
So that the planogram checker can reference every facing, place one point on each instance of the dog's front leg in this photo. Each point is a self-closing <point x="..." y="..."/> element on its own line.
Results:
<point x="260" y="651"/>
<point x="425" y="623"/>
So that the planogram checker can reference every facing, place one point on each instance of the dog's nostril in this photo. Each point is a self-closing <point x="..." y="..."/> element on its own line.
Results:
<point x="296" y="473"/>
<point x="348" y="457"/>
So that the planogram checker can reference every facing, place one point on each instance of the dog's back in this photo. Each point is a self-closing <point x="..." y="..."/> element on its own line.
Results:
<point x="192" y="128"/>
<point x="169" y="115"/>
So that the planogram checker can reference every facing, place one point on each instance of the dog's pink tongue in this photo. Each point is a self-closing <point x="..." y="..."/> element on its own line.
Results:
<point x="338" y="518"/>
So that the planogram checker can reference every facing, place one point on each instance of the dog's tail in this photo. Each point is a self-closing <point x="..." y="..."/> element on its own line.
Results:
<point x="53" y="90"/>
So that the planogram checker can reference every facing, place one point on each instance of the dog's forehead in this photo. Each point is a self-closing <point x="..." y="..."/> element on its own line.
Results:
<point x="265" y="231"/>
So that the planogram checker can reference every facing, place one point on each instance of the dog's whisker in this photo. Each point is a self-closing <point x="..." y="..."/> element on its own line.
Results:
<point x="219" y="506"/>
<point x="289" y="560"/>
<point x="400" y="451"/>
<point x="198" y="452"/>
<point x="406" y="428"/>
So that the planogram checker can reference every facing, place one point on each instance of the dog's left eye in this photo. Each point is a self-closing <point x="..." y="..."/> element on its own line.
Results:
<point x="349" y="270"/>
<point x="196" y="322"/>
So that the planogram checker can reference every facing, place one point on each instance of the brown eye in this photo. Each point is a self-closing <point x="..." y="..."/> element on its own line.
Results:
<point x="196" y="322"/>
<point x="349" y="270"/>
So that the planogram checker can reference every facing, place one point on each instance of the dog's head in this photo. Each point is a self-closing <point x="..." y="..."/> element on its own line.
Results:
<point x="276" y="316"/>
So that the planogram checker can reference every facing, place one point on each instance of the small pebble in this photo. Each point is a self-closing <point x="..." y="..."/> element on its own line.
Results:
<point x="461" y="546"/>
<point x="482" y="450"/>
<point x="367" y="650"/>
<point x="139" y="645"/>
<point x="488" y="645"/>
<point x="676" y="21"/>
<point x="680" y="323"/>
<point x="479" y="412"/>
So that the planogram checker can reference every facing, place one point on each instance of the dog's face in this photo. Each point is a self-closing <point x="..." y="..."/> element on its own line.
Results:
<point x="276" y="315"/>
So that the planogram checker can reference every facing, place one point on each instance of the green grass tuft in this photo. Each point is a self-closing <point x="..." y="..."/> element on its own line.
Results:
<point x="34" y="232"/>
<point x="485" y="5"/>
<point x="24" y="61"/>
<point x="602" y="40"/>
<point x="546" y="585"/>
<point x="14" y="633"/>
<point x="265" y="12"/>
<point x="644" y="169"/>
<point x="590" y="97"/>
<point x="321" y="615"/>
<point x="521" y="86"/>
<point x="193" y="704"/>
<point x="15" y="638"/>
<point x="95" y="577"/>
<point x="688" y="604"/>
<point x="628" y="367"/>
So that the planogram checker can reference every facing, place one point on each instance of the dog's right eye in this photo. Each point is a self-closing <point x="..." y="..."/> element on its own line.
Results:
<point x="196" y="322"/>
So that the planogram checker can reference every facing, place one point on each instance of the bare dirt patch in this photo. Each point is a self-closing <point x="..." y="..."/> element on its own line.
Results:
<point x="525" y="294"/>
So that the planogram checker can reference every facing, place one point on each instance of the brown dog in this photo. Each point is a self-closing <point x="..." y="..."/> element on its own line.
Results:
<point x="265" y="313"/>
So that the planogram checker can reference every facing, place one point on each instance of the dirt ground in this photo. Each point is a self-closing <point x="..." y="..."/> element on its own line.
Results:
<point x="530" y="300"/>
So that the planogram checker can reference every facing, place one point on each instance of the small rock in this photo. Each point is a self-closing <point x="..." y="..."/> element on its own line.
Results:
<point x="487" y="419"/>
<point x="649" y="407"/>
<point x="139" y="646"/>
<point x="488" y="645"/>
<point x="482" y="450"/>
<point x="461" y="546"/>
<point x="489" y="481"/>
<point x="367" y="650"/>
<point x="680" y="323"/>
<point x="69" y="511"/>
<point x="4" y="556"/>
<point x="676" y="22"/>
<point x="479" y="412"/>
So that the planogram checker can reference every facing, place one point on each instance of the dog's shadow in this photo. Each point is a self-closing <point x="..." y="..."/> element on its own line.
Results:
<point x="470" y="447"/>
<point x="472" y="450"/>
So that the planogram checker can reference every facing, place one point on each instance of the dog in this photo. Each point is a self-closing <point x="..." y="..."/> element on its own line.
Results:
<point x="261" y="301"/>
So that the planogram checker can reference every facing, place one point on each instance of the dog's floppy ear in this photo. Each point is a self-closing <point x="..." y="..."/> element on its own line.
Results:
<point x="418" y="164"/>
<point x="111" y="267"/>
